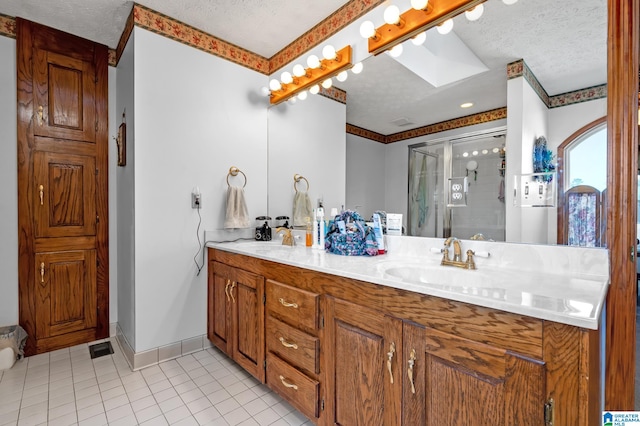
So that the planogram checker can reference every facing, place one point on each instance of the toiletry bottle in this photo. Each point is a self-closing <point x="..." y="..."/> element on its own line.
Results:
<point x="309" y="236"/>
<point x="322" y="228"/>
<point x="316" y="227"/>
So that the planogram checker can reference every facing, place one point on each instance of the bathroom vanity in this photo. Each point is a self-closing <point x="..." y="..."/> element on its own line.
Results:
<point x="399" y="339"/>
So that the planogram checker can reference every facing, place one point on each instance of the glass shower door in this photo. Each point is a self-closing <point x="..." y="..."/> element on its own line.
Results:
<point x="425" y="201"/>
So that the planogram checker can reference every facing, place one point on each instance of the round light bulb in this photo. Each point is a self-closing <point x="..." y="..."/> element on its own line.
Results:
<point x="419" y="39"/>
<point x="509" y="2"/>
<point x="445" y="27"/>
<point x="342" y="76"/>
<point x="465" y="154"/>
<point x="313" y="61"/>
<point x="327" y="83"/>
<point x="367" y="29"/>
<point x="392" y="15"/>
<point x="475" y="153"/>
<point x="485" y="151"/>
<point x="357" y="68"/>
<point x="495" y="150"/>
<point x="419" y="4"/>
<point x="274" y="85"/>
<point x="264" y="91"/>
<point x="314" y="89"/>
<point x="302" y="95"/>
<point x="396" y="51"/>
<point x="298" y="70"/>
<point x="475" y="13"/>
<point x="329" y="52"/>
<point x="286" y="77"/>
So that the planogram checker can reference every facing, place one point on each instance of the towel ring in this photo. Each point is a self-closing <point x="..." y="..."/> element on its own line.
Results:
<point x="296" y="179"/>
<point x="233" y="171"/>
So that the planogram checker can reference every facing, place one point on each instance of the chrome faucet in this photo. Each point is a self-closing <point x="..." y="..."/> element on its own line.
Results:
<point x="457" y="255"/>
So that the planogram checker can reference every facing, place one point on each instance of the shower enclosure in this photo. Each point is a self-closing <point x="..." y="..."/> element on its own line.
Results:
<point x="437" y="165"/>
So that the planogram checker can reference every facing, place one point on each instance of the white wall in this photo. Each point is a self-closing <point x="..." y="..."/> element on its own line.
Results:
<point x="9" y="186"/>
<point x="196" y="115"/>
<point x="526" y="121"/>
<point x="365" y="175"/>
<point x="124" y="198"/>
<point x="309" y="139"/>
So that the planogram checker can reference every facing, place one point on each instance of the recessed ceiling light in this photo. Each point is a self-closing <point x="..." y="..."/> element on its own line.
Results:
<point x="466" y="105"/>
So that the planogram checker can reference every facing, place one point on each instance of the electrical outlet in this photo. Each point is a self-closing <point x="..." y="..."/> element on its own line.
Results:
<point x="196" y="200"/>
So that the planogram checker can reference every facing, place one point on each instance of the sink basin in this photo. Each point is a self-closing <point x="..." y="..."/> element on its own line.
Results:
<point x="442" y="275"/>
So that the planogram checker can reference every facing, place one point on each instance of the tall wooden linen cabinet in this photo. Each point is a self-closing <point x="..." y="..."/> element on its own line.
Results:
<point x="62" y="188"/>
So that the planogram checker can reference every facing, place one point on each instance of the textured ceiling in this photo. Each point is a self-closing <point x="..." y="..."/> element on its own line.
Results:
<point x="562" y="42"/>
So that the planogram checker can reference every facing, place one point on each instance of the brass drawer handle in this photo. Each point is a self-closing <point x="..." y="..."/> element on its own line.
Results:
<point x="42" y="272"/>
<point x="286" y="384"/>
<point x="287" y="344"/>
<point x="41" y="188"/>
<point x="40" y="115"/>
<point x="390" y="354"/>
<point x="226" y="290"/>
<point x="412" y="362"/>
<point x="233" y="285"/>
<point x="288" y="304"/>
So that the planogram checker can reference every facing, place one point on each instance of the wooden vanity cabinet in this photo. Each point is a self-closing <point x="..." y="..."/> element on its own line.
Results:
<point x="458" y="382"/>
<point x="235" y="316"/>
<point x="371" y="355"/>
<point x="293" y="346"/>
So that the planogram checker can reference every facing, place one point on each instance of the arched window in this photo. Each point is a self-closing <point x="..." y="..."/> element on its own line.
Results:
<point x="582" y="185"/>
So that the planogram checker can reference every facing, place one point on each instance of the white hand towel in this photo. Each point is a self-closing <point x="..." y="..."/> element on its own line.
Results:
<point x="301" y="208"/>
<point x="237" y="213"/>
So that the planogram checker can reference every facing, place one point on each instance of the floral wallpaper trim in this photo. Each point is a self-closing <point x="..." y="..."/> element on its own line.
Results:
<point x="367" y="134"/>
<point x="183" y="33"/>
<point x="577" y="96"/>
<point x="335" y="94"/>
<point x="469" y="120"/>
<point x="325" y="29"/>
<point x="124" y="37"/>
<point x="7" y="26"/>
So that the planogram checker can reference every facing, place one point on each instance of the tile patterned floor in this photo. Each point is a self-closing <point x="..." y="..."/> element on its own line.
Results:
<point x="67" y="387"/>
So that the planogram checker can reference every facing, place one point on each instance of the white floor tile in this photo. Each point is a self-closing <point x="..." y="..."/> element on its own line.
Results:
<point x="67" y="387"/>
<point x="148" y="413"/>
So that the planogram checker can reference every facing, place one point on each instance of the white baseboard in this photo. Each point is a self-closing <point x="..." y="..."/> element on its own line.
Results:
<point x="139" y="360"/>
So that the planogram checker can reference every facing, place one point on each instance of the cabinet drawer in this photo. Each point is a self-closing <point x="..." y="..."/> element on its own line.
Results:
<point x="294" y="346"/>
<point x="298" y="389"/>
<point x="296" y="307"/>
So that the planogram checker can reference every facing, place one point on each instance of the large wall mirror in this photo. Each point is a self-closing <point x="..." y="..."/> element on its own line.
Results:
<point x="564" y="47"/>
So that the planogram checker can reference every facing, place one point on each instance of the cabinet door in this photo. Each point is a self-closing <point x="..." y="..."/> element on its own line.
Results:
<point x="65" y="195"/>
<point x="65" y="292"/>
<point x="64" y="96"/>
<point x="247" y="297"/>
<point x="219" y="328"/>
<point x="466" y="383"/>
<point x="363" y="372"/>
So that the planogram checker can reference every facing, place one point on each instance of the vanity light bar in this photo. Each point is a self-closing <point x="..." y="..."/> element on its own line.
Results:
<point x="328" y="68"/>
<point x="413" y="22"/>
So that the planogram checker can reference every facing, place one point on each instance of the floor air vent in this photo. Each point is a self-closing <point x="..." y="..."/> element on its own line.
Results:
<point x="100" y="349"/>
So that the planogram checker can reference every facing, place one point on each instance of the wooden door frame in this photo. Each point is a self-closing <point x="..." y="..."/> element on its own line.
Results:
<point x="622" y="181"/>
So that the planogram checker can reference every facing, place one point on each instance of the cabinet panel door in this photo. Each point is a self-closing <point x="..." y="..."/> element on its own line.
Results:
<point x="364" y="375"/>
<point x="247" y="292"/>
<point x="64" y="97"/>
<point x="65" y="292"/>
<point x="219" y="328"/>
<point x="472" y="384"/>
<point x="64" y="195"/>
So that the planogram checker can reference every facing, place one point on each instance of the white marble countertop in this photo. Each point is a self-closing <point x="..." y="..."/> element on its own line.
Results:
<point x="557" y="283"/>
